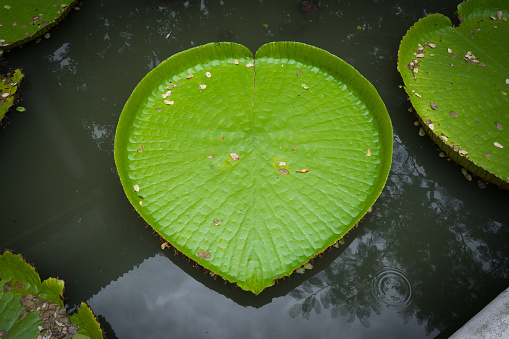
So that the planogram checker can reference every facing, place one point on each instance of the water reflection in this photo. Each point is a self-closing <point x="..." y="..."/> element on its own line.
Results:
<point x="426" y="264"/>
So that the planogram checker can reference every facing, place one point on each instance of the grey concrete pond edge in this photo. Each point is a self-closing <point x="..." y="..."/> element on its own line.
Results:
<point x="492" y="322"/>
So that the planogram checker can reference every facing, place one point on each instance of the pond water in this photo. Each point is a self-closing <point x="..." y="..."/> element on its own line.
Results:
<point x="433" y="252"/>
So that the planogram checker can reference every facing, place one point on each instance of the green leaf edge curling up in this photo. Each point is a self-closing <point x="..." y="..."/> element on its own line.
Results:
<point x="289" y="54"/>
<point x="470" y="120"/>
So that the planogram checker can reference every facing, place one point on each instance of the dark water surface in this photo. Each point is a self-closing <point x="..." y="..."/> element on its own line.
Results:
<point x="432" y="253"/>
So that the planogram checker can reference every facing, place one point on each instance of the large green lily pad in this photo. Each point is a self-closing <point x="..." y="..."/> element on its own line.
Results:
<point x="253" y="166"/>
<point x="27" y="303"/>
<point x="460" y="85"/>
<point x="22" y="21"/>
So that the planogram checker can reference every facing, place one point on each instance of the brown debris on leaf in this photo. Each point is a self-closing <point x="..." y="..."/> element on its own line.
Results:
<point x="298" y="73"/>
<point x="283" y="171"/>
<point x="210" y="157"/>
<point x="499" y="125"/>
<point x="368" y="154"/>
<point x="433" y="105"/>
<point x="204" y="255"/>
<point x="190" y="76"/>
<point x="304" y="170"/>
<point x="453" y="114"/>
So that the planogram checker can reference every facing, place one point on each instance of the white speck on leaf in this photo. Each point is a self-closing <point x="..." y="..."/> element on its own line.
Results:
<point x="202" y="86"/>
<point x="498" y="144"/>
<point x="208" y="74"/>
<point x="250" y="65"/>
<point x="234" y="156"/>
<point x="136" y="188"/>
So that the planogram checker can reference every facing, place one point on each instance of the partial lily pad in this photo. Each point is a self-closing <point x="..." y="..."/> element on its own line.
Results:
<point x="22" y="21"/>
<point x="463" y="100"/>
<point x="9" y="84"/>
<point x="274" y="218"/>
<point x="29" y="307"/>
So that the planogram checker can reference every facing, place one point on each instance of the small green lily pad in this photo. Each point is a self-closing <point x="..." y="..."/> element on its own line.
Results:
<point x="9" y="84"/>
<point x="22" y="21"/>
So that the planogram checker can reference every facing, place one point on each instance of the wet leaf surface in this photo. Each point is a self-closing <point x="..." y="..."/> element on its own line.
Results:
<point x="256" y="142"/>
<point x="461" y="99"/>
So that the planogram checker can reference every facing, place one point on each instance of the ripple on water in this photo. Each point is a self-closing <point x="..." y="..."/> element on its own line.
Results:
<point x="391" y="288"/>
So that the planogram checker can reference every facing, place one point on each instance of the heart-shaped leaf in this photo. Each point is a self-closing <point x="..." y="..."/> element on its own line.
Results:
<point x="458" y="81"/>
<point x="256" y="165"/>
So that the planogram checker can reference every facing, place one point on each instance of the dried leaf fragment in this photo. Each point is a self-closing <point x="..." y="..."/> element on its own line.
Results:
<point x="497" y="144"/>
<point x="204" y="255"/>
<point x="234" y="156"/>
<point x="140" y="149"/>
<point x="304" y="170"/>
<point x="368" y="154"/>
<point x="433" y="105"/>
<point x="283" y="171"/>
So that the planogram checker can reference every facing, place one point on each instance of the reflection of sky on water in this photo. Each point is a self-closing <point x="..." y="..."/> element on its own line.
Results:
<point x="155" y="300"/>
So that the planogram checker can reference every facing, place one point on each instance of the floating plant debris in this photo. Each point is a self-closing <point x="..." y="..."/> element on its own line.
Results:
<point x="234" y="156"/>
<point x="204" y="255"/>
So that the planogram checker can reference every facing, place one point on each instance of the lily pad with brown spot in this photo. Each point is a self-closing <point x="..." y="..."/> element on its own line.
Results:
<point x="254" y="118"/>
<point x="474" y="88"/>
<point x="27" y="20"/>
